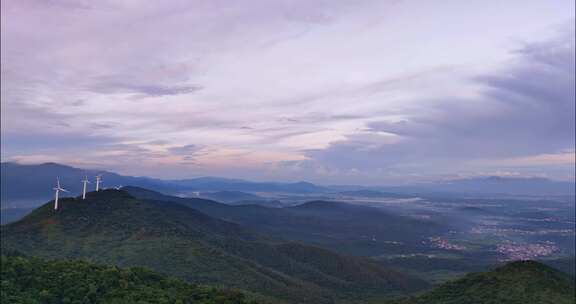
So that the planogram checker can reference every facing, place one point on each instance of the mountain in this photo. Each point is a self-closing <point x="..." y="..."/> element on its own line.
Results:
<point x="34" y="280"/>
<point x="373" y="194"/>
<point x="114" y="227"/>
<point x="223" y="184"/>
<point x="240" y="198"/>
<point x="521" y="186"/>
<point x="25" y="186"/>
<point x="566" y="264"/>
<point x="353" y="229"/>
<point x="10" y="215"/>
<point x="230" y="196"/>
<point x="505" y="185"/>
<point x="518" y="282"/>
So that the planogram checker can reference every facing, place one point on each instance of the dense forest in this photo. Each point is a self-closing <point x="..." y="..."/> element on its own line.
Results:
<point x="35" y="280"/>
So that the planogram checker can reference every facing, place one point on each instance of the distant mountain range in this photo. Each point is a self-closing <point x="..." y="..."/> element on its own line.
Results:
<point x="225" y="184"/>
<point x="28" y="185"/>
<point x="230" y="196"/>
<point x="114" y="227"/>
<point x="505" y="185"/>
<point x="373" y="194"/>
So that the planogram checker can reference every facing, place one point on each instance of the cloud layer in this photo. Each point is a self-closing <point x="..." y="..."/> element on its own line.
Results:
<point x="346" y="91"/>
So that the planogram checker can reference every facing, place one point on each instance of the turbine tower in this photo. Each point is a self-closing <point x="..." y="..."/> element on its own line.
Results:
<point x="98" y="181"/>
<point x="85" y="181"/>
<point x="57" y="189"/>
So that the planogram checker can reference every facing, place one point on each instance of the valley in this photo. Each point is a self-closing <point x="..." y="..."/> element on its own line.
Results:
<point x="317" y="245"/>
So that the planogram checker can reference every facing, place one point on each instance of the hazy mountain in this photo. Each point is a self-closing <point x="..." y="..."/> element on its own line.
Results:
<point x="508" y="185"/>
<point x="240" y="198"/>
<point x="373" y="194"/>
<point x="354" y="229"/>
<point x="9" y="215"/>
<point x="230" y="196"/>
<point x="223" y="184"/>
<point x="25" y="186"/>
<point x="31" y="185"/>
<point x="515" y="283"/>
<point x="566" y="264"/>
<point x="34" y="280"/>
<point x="492" y="185"/>
<point x="113" y="227"/>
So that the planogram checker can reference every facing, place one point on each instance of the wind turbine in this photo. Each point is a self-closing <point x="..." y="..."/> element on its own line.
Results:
<point x="85" y="182"/>
<point x="118" y="187"/>
<point x="57" y="189"/>
<point x="98" y="181"/>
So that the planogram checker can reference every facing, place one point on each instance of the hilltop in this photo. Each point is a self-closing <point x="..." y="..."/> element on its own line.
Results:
<point x="113" y="227"/>
<point x="521" y="282"/>
<point x="28" y="185"/>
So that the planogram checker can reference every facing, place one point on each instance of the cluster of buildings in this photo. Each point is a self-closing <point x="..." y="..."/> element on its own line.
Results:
<point x="513" y="251"/>
<point x="441" y="243"/>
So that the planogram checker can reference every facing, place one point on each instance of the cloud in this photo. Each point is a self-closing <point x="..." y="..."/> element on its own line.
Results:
<point x="187" y="150"/>
<point x="353" y="86"/>
<point x="524" y="110"/>
<point x="144" y="89"/>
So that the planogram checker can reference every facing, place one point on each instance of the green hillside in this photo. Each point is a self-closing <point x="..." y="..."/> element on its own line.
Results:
<point x="348" y="228"/>
<point x="522" y="282"/>
<point x="35" y="280"/>
<point x="113" y="227"/>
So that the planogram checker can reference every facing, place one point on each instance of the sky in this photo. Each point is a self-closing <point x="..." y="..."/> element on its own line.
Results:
<point x="363" y="92"/>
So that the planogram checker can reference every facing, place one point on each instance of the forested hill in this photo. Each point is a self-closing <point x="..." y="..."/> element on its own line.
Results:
<point x="521" y="282"/>
<point x="35" y="280"/>
<point x="113" y="227"/>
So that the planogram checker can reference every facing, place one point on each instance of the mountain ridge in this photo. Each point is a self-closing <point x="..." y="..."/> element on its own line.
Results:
<point x="113" y="227"/>
<point x="25" y="185"/>
<point x="330" y="224"/>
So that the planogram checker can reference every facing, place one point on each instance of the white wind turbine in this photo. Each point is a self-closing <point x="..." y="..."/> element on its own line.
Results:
<point x="85" y="181"/>
<point x="57" y="189"/>
<point x="98" y="181"/>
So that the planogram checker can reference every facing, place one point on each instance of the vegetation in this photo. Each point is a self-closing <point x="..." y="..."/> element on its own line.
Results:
<point x="112" y="227"/>
<point x="34" y="280"/>
<point x="522" y="282"/>
<point x="347" y="228"/>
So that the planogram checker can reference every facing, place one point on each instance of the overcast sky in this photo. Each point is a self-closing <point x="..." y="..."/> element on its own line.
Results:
<point x="374" y="92"/>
